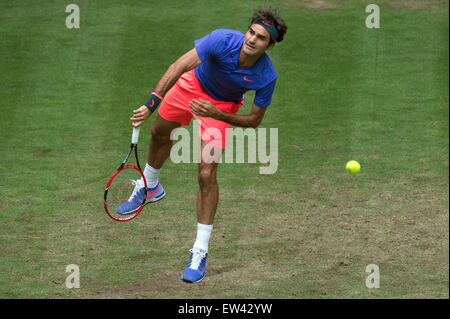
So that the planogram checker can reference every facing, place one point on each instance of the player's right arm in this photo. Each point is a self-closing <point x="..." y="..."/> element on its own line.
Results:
<point x="185" y="63"/>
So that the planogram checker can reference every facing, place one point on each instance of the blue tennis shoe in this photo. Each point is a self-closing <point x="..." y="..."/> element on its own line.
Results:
<point x="195" y="269"/>
<point x="154" y="194"/>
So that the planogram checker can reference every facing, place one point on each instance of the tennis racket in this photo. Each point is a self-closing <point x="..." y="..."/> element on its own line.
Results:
<point x="126" y="190"/>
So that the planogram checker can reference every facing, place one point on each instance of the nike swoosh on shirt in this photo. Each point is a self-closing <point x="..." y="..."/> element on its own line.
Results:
<point x="245" y="78"/>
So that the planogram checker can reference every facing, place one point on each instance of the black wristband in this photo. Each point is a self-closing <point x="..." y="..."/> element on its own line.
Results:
<point x="153" y="102"/>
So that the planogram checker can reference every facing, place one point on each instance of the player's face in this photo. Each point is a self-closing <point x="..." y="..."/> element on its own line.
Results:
<point x="256" y="40"/>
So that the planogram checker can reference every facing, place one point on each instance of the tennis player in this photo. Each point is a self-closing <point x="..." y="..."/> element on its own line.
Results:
<point x="208" y="83"/>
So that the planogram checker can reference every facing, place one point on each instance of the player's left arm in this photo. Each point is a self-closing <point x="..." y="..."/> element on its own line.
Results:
<point x="207" y="109"/>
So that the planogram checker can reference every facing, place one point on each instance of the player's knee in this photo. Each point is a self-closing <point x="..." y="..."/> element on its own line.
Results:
<point x="206" y="175"/>
<point x="159" y="135"/>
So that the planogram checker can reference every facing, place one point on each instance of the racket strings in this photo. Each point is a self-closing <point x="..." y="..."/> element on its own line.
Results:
<point x="126" y="194"/>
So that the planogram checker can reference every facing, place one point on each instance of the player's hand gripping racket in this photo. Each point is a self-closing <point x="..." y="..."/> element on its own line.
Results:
<point x="126" y="190"/>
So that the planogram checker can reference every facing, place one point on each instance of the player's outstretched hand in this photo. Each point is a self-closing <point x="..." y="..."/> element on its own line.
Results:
<point x="140" y="116"/>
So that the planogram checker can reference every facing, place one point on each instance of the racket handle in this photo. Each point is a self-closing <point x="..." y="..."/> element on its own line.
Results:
<point x="135" y="136"/>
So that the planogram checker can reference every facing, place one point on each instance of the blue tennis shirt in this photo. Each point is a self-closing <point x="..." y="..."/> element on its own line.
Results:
<point x="219" y="73"/>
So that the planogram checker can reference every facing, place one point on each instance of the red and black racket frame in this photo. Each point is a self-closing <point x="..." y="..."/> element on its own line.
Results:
<point x="121" y="168"/>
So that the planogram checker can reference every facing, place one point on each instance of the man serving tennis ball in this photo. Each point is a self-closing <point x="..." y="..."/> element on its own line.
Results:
<point x="208" y="83"/>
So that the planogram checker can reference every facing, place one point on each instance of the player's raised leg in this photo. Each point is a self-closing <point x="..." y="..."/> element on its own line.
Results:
<point x="158" y="152"/>
<point x="160" y="143"/>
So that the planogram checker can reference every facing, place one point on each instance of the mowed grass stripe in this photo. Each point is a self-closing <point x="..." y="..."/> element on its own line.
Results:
<point x="101" y="247"/>
<point x="399" y="80"/>
<point x="28" y="171"/>
<point x="71" y="81"/>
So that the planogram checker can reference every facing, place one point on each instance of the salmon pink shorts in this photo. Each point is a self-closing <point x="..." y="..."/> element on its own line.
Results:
<point x="175" y="108"/>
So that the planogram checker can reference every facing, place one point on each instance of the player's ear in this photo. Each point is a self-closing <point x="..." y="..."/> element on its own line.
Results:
<point x="270" y="46"/>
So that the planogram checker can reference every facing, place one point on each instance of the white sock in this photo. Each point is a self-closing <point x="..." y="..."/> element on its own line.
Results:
<point x="203" y="235"/>
<point x="151" y="175"/>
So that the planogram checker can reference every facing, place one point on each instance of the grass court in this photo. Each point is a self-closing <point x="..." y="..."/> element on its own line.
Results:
<point x="378" y="96"/>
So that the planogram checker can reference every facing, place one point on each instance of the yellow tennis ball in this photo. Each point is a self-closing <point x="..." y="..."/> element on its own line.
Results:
<point x="352" y="167"/>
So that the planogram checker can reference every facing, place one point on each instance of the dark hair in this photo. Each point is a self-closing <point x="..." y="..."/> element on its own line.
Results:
<point x="272" y="16"/>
